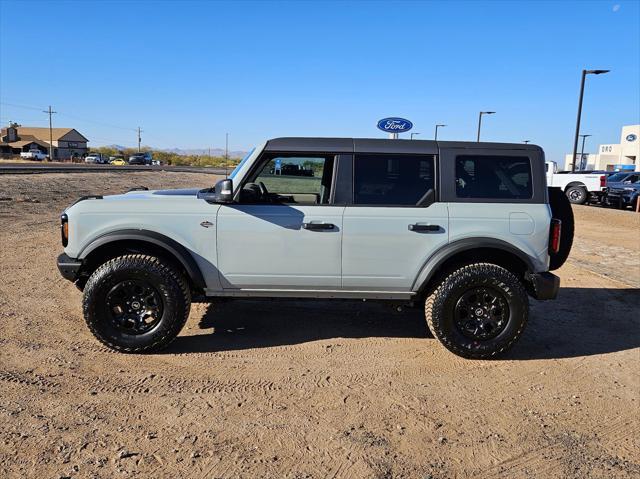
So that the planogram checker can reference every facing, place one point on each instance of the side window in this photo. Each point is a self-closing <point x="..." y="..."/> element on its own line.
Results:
<point x="291" y="179"/>
<point x="496" y="177"/>
<point x="392" y="179"/>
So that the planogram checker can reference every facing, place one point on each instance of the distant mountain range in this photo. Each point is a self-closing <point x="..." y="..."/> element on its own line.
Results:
<point x="204" y="151"/>
<point x="192" y="151"/>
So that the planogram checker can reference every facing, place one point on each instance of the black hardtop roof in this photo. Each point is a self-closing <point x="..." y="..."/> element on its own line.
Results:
<point x="381" y="145"/>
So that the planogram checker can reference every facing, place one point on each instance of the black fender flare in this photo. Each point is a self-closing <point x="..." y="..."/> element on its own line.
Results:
<point x="177" y="250"/>
<point x="449" y="250"/>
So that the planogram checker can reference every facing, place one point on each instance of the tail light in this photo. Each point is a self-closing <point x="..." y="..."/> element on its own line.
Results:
<point x="64" y="229"/>
<point x="554" y="235"/>
<point x="603" y="181"/>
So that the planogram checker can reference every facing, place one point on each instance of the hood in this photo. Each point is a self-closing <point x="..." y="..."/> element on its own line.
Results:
<point x="158" y="194"/>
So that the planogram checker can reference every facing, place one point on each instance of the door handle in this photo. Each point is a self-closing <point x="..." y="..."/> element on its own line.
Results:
<point x="420" y="227"/>
<point x="318" y="226"/>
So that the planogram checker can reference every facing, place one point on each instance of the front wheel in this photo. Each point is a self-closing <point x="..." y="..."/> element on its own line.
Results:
<point x="136" y="303"/>
<point x="478" y="311"/>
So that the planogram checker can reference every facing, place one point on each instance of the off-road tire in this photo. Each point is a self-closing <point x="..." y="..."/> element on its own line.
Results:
<point x="577" y="194"/>
<point x="561" y="209"/>
<point x="170" y="284"/>
<point x="440" y="305"/>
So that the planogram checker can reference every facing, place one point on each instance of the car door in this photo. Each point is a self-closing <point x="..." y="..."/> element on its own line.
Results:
<point x="283" y="233"/>
<point x="394" y="222"/>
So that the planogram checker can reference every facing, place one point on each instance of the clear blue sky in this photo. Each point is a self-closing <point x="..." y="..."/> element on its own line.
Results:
<point x="188" y="72"/>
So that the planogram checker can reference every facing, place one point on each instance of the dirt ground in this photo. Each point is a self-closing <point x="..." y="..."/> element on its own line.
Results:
<point x="312" y="390"/>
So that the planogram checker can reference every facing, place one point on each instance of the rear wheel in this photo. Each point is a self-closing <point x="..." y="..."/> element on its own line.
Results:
<point x="136" y="303"/>
<point x="578" y="195"/>
<point x="478" y="311"/>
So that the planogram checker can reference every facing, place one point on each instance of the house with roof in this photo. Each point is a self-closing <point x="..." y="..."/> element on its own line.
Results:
<point x="67" y="142"/>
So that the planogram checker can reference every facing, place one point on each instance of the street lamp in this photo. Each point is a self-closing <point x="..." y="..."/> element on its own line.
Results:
<point x="414" y="134"/>
<point x="480" y="120"/>
<point x="438" y="126"/>
<point x="575" y="140"/>
<point x="584" y="137"/>
<point x="525" y="141"/>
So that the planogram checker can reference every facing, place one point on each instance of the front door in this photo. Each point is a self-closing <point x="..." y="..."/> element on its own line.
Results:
<point x="283" y="233"/>
<point x="394" y="223"/>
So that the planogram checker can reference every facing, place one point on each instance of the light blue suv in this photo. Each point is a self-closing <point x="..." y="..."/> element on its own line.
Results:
<point x="467" y="229"/>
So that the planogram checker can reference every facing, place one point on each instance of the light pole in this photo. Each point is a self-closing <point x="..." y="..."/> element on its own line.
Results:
<point x="584" y="137"/>
<point x="575" y="140"/>
<point x="435" y="138"/>
<point x="525" y="141"/>
<point x="414" y="134"/>
<point x="480" y="120"/>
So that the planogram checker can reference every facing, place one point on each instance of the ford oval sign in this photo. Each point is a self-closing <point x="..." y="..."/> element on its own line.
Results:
<point x="394" y="125"/>
<point x="631" y="137"/>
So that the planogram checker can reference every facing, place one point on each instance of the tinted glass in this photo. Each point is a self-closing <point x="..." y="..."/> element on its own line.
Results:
<point x="392" y="179"/>
<point x="498" y="177"/>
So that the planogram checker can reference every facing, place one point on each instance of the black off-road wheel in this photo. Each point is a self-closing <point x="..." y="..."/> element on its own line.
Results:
<point x="136" y="303"/>
<point x="478" y="311"/>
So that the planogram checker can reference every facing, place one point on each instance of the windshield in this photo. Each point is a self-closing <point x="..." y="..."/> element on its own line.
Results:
<point x="244" y="160"/>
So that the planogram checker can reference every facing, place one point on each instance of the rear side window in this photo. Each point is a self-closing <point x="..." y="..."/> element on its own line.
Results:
<point x="493" y="177"/>
<point x="392" y="179"/>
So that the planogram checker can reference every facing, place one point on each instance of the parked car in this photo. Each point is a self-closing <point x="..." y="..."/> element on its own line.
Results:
<point x="624" y="196"/>
<point x="95" y="158"/>
<point x="468" y="230"/>
<point x="580" y="186"/>
<point x="118" y="161"/>
<point x="33" y="155"/>
<point x="141" y="159"/>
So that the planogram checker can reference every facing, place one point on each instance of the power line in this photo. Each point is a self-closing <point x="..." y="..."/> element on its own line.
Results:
<point x="21" y="106"/>
<point x="75" y="117"/>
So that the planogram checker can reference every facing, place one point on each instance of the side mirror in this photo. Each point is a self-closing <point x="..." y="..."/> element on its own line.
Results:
<point x="222" y="193"/>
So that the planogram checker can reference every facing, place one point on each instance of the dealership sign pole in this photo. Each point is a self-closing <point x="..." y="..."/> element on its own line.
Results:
<point x="394" y="126"/>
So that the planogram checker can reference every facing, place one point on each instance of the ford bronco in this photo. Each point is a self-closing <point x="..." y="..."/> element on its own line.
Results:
<point x="469" y="230"/>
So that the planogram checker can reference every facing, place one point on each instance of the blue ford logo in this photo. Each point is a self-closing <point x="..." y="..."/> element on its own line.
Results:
<point x="394" y="125"/>
<point x="631" y="137"/>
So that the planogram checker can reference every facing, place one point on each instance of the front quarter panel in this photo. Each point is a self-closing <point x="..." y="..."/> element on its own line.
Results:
<point x="179" y="218"/>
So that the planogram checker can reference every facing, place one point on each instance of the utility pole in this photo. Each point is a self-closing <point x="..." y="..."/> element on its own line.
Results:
<point x="226" y="148"/>
<point x="50" y="112"/>
<point x="139" y="139"/>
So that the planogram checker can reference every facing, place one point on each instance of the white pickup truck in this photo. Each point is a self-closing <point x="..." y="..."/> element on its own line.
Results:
<point x="33" y="155"/>
<point x="577" y="186"/>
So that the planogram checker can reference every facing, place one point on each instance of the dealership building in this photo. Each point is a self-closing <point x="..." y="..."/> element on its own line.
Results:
<point x="612" y="157"/>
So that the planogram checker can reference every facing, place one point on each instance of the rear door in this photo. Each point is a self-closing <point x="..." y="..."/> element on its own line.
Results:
<point x="497" y="194"/>
<point x="387" y="235"/>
